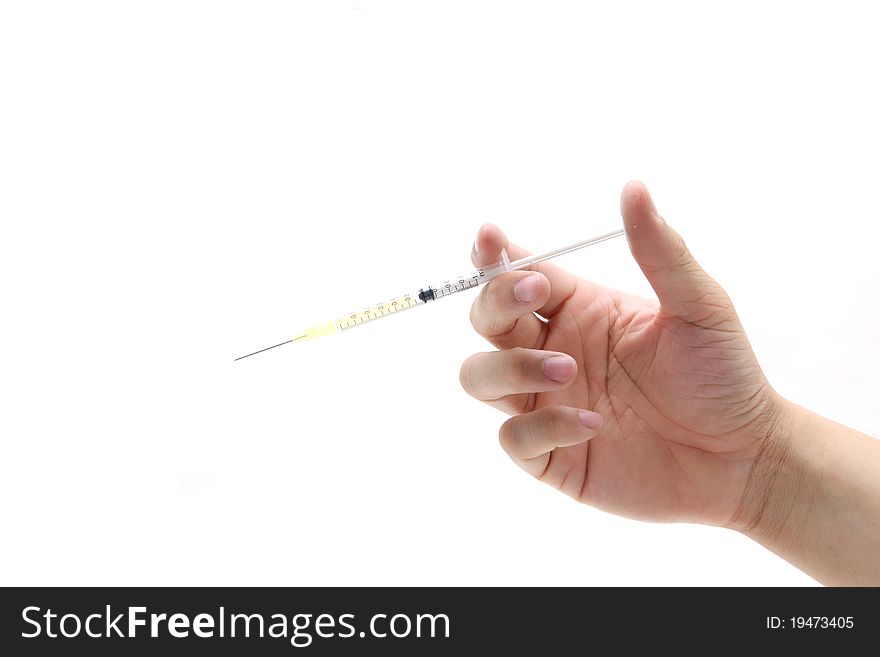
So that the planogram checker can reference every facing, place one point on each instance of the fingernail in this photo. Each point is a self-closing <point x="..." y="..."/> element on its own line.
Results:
<point x="590" y="419"/>
<point x="528" y="289"/>
<point x="558" y="368"/>
<point x="482" y="229"/>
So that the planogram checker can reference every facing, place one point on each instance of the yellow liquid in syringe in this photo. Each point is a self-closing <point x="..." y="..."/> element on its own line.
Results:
<point x="359" y="317"/>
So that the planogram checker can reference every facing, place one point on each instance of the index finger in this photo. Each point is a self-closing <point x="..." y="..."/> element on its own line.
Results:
<point x="487" y="250"/>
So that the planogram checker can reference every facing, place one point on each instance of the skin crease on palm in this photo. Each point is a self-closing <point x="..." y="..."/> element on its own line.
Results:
<point x="685" y="408"/>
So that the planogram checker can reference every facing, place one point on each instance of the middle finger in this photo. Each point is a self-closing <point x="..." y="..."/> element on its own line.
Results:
<point x="497" y="374"/>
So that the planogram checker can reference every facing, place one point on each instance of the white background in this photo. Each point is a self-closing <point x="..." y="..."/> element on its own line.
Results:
<point x="184" y="182"/>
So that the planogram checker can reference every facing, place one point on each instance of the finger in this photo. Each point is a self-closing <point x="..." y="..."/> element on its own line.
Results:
<point x="529" y="439"/>
<point x="496" y="374"/>
<point x="684" y="289"/>
<point x="487" y="250"/>
<point x="503" y="312"/>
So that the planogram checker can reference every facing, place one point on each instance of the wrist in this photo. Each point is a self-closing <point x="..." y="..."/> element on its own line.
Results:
<point x="783" y="482"/>
<point x="813" y="497"/>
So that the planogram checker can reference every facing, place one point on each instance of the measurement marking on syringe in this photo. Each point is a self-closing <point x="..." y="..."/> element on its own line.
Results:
<point x="430" y="293"/>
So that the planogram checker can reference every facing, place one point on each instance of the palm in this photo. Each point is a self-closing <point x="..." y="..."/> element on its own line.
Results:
<point x="676" y="397"/>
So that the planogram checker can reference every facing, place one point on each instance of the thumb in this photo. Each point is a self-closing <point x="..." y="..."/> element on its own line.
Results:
<point x="683" y="288"/>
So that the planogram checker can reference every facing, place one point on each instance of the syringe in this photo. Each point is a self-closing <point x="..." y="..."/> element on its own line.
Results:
<point x="432" y="293"/>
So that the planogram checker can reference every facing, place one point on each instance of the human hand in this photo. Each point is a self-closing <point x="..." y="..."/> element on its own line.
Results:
<point x="655" y="411"/>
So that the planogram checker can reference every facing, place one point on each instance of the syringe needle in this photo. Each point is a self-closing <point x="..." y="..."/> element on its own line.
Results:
<point x="266" y="349"/>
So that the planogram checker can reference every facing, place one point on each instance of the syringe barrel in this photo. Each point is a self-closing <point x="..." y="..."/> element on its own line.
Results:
<point x="462" y="283"/>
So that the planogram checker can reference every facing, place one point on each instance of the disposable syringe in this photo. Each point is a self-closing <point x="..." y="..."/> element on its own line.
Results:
<point x="432" y="293"/>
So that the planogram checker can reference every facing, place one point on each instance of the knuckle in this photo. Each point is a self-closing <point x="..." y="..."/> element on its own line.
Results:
<point x="553" y="420"/>
<point x="519" y="370"/>
<point x="499" y="293"/>
<point x="490" y="296"/>
<point x="475" y="312"/>
<point x="507" y="339"/>
<point x="465" y="375"/>
<point x="505" y="435"/>
<point x="496" y="328"/>
<point x="680" y="250"/>
<point x="483" y="310"/>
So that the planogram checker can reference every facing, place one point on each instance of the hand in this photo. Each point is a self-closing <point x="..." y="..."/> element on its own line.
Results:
<point x="656" y="411"/>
